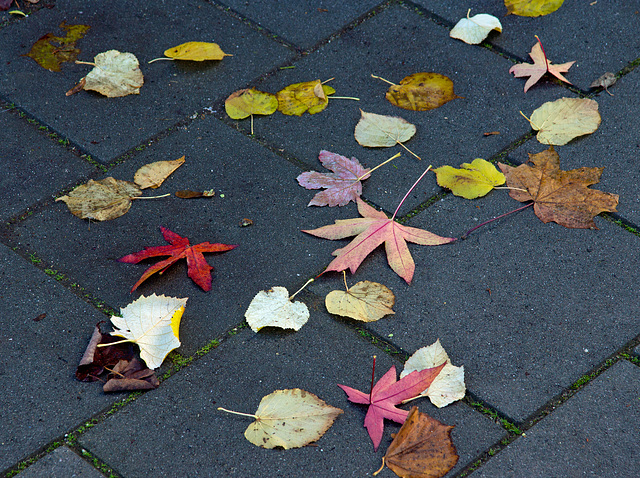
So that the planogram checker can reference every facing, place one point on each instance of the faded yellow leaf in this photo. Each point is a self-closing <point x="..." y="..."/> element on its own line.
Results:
<point x="152" y="175"/>
<point x="51" y="50"/>
<point x="559" y="121"/>
<point x="532" y="8"/>
<point x="473" y="30"/>
<point x="472" y="180"/>
<point x="375" y="130"/>
<point x="422" y="92"/>
<point x="244" y="103"/>
<point x="309" y="96"/>
<point x="365" y="301"/>
<point x="115" y="74"/>
<point x="196" y="51"/>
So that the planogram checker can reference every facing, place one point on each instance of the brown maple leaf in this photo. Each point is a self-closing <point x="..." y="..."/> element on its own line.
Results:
<point x="560" y="196"/>
<point x="179" y="248"/>
<point x="541" y="65"/>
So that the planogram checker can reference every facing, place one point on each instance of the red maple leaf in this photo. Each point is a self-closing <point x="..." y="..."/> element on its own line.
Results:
<point x="386" y="394"/>
<point x="198" y="269"/>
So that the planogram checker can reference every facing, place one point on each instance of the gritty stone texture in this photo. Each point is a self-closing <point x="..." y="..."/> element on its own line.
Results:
<point x="61" y="463"/>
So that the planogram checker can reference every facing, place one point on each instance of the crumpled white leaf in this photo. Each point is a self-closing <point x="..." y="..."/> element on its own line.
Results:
<point x="475" y="29"/>
<point x="449" y="385"/>
<point x="115" y="74"/>
<point x="273" y="308"/>
<point x="152" y="323"/>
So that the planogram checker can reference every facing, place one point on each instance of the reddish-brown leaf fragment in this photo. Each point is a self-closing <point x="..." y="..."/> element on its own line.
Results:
<point x="95" y="358"/>
<point x="40" y="317"/>
<point x="76" y="88"/>
<point x="131" y="375"/>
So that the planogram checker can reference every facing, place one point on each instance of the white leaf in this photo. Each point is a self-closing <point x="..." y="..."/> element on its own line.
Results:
<point x="475" y="29"/>
<point x="274" y="309"/>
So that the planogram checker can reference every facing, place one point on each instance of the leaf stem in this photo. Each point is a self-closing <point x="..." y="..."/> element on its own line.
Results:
<point x="158" y="59"/>
<point x="380" y="469"/>
<point x="409" y="192"/>
<point x="327" y="81"/>
<point x="507" y="187"/>
<point x="495" y="218"/>
<point x="344" y="277"/>
<point x="237" y="413"/>
<point x="409" y="150"/>
<point x="380" y="78"/>
<point x="78" y="62"/>
<point x="251" y="125"/>
<point x="116" y="343"/>
<point x="300" y="289"/>
<point x="530" y="122"/>
<point x="378" y="166"/>
<point x="343" y="98"/>
<point x="151" y="197"/>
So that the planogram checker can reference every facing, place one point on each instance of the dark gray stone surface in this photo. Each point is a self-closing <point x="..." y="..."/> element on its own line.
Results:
<point x="41" y="400"/>
<point x="183" y="411"/>
<point x="173" y="91"/>
<point x="593" y="434"/>
<point x="61" y="463"/>
<point x="34" y="166"/>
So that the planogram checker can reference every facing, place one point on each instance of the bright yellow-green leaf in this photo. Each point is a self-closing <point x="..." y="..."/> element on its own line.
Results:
<point x="244" y="103"/>
<point x="422" y="92"/>
<point x="196" y="51"/>
<point x="532" y="8"/>
<point x="50" y="50"/>
<point x="472" y="180"/>
<point x="309" y="96"/>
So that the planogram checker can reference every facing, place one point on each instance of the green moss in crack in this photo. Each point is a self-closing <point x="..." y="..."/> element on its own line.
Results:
<point x="99" y="465"/>
<point x="34" y="259"/>
<point x="506" y="424"/>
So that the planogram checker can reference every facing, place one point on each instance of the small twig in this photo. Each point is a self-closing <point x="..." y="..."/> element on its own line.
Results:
<point x="380" y="78"/>
<point x="300" y="289"/>
<point x="113" y="371"/>
<point x="237" y="413"/>
<point x="496" y="218"/>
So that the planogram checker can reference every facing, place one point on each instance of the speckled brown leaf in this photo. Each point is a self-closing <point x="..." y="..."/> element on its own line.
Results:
<point x="422" y="92"/>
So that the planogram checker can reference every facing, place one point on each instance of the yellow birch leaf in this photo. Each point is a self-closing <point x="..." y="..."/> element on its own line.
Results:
<point x="532" y="8"/>
<point x="244" y="103"/>
<point x="152" y="323"/>
<point x="196" y="51"/>
<point x="309" y="96"/>
<point x="472" y="180"/>
<point x="115" y="74"/>
<point x="365" y="301"/>
<point x="101" y="200"/>
<point x="559" y="121"/>
<point x="152" y="175"/>
<point x="422" y="92"/>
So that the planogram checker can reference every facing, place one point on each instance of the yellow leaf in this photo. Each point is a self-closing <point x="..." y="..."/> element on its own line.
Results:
<point x="244" y="103"/>
<point x="422" y="92"/>
<point x="196" y="51"/>
<point x="291" y="419"/>
<point x="382" y="131"/>
<point x="559" y="121"/>
<point x="115" y="74"/>
<point x="152" y="323"/>
<point x="472" y="180"/>
<point x="532" y="8"/>
<point x="152" y="175"/>
<point x="366" y="301"/>
<point x="273" y="308"/>
<point x="309" y="96"/>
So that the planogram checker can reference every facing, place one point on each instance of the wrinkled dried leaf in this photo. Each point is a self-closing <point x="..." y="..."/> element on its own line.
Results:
<point x="152" y="323"/>
<point x="422" y="92"/>
<point x="152" y="175"/>
<point x="50" y="50"/>
<point x="95" y="358"/>
<point x="559" y="121"/>
<point x="532" y="8"/>
<point x="290" y="418"/>
<point x="605" y="81"/>
<point x="376" y="131"/>
<point x="196" y="51"/>
<point x="129" y="376"/>
<point x="560" y="196"/>
<point x="422" y="448"/>
<point x="472" y="180"/>
<point x="449" y="385"/>
<point x="309" y="96"/>
<point x="473" y="30"/>
<point x="244" y="103"/>
<point x="365" y="301"/>
<point x="115" y="74"/>
<point x="101" y="200"/>
<point x="541" y="65"/>
<point x="273" y="308"/>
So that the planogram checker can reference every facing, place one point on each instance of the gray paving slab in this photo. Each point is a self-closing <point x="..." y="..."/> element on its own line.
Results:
<point x="567" y="34"/>
<point x="526" y="307"/>
<point x="292" y="20"/>
<point x="41" y="400"/>
<point x="614" y="146"/>
<point x="35" y="167"/>
<point x="592" y="434"/>
<point x="107" y="127"/>
<point x="256" y="184"/>
<point x="394" y="44"/>
<point x="61" y="463"/>
<point x="180" y="427"/>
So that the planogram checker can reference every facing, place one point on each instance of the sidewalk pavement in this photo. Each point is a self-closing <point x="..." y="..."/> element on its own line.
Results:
<point x="544" y="319"/>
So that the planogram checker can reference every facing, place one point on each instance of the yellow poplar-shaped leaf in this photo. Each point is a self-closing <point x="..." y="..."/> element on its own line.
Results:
<point x="422" y="92"/>
<point x="559" y="121"/>
<point x="366" y="301"/>
<point x="196" y="51"/>
<point x="273" y="308"/>
<point x="101" y="200"/>
<point x="473" y="30"/>
<point x="376" y="131"/>
<point x="472" y="180"/>
<point x="532" y="8"/>
<point x="449" y="385"/>
<point x="290" y="418"/>
<point x="244" y="103"/>
<point x="152" y="323"/>
<point x="309" y="96"/>
<point x="115" y="74"/>
<point x="152" y="175"/>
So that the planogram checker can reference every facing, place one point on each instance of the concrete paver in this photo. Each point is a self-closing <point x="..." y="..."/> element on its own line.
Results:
<point x="61" y="463"/>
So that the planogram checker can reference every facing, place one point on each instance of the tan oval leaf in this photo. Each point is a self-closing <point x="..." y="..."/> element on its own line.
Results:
<point x="366" y="301"/>
<point x="152" y="175"/>
<point x="422" y="92"/>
